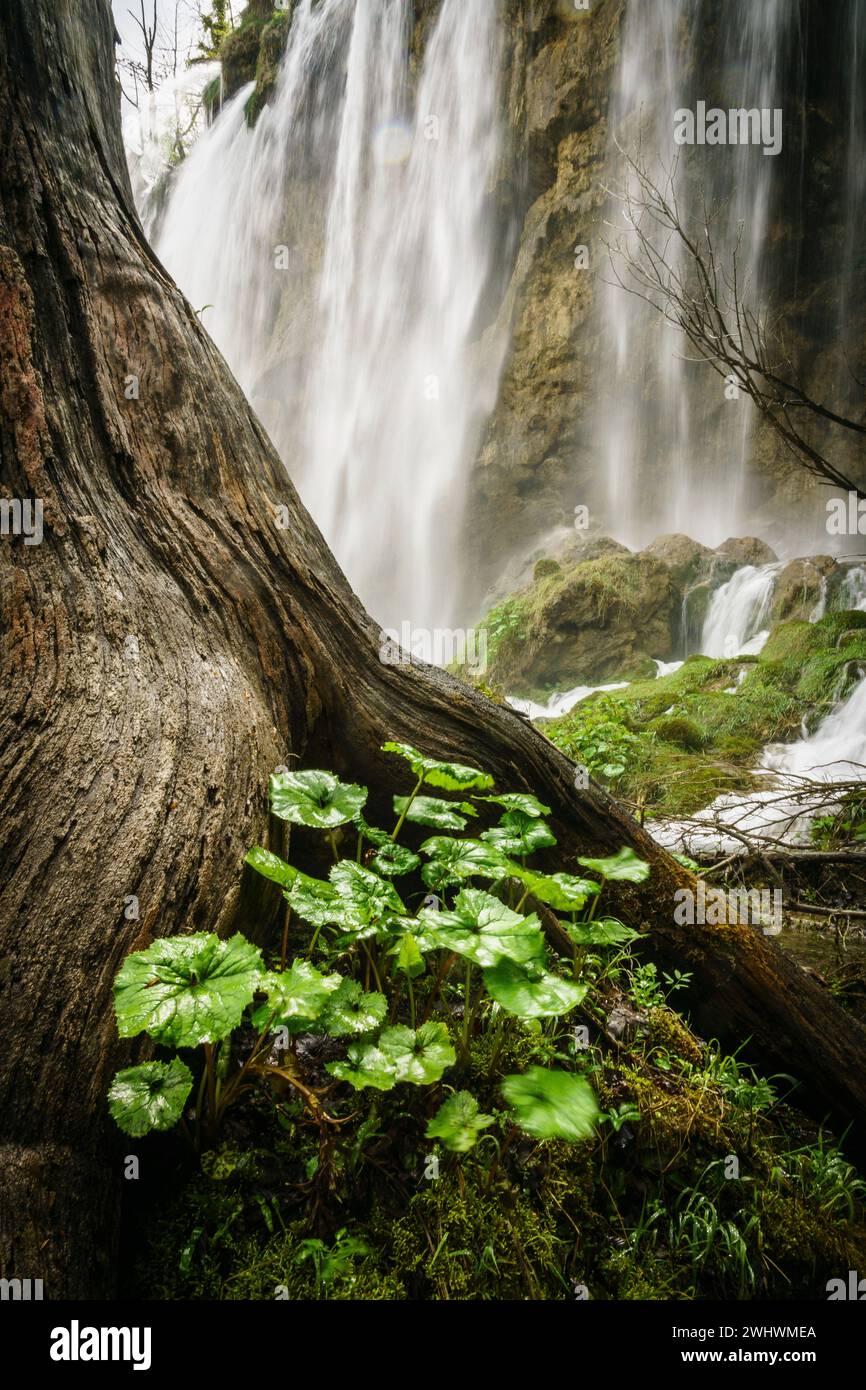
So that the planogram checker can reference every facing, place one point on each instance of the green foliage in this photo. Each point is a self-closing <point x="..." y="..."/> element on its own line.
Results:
<point x="552" y="1104"/>
<point x="186" y="990"/>
<point x="401" y="1054"/>
<point x="520" y="834"/>
<point x="484" y="930"/>
<point x="624" y="867"/>
<point x="297" y="997"/>
<point x="530" y="991"/>
<point x="458" y="1122"/>
<point x="257" y="1025"/>
<point x="148" y="1097"/>
<point x="431" y="811"/>
<point x="317" y="799"/>
<point x="453" y="777"/>
<point x="216" y="24"/>
<point x="598" y="738"/>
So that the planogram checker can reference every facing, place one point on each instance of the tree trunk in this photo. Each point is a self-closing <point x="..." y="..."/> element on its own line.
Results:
<point x="168" y="644"/>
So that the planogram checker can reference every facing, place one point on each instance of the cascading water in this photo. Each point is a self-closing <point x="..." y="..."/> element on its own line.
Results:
<point x="737" y="618"/>
<point x="835" y="752"/>
<point x="675" y="451"/>
<point x="852" y="592"/>
<point x="344" y="245"/>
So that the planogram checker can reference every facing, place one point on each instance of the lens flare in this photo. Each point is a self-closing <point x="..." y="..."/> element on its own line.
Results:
<point x="392" y="142"/>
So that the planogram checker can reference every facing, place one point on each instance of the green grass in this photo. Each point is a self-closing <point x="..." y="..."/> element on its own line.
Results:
<point x="691" y="740"/>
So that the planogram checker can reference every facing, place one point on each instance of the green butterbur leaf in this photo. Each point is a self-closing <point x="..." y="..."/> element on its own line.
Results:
<point x="603" y="931"/>
<point x="530" y="991"/>
<point x="408" y="956"/>
<point x="432" y="811"/>
<point x="151" y="1096"/>
<point x="186" y="990"/>
<point x="484" y="930"/>
<point x="552" y="1104"/>
<point x="355" y="899"/>
<point x="451" y="777"/>
<point x="366" y="1066"/>
<point x="458" y="1123"/>
<point x="561" y="891"/>
<point x="394" y="860"/>
<point x="296" y="997"/>
<point x="624" y="867"/>
<point x="519" y="801"/>
<point x="271" y="866"/>
<point x="317" y="799"/>
<point x="419" y="1057"/>
<point x="364" y="896"/>
<point x="399" y="1055"/>
<point x="352" y="1012"/>
<point x="518" y="833"/>
<point x="455" y="860"/>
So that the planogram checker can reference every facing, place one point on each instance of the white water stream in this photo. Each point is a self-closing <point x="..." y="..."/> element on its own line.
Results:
<point x="784" y="810"/>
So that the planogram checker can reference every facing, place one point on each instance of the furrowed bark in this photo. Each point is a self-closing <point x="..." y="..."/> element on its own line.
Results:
<point x="169" y="643"/>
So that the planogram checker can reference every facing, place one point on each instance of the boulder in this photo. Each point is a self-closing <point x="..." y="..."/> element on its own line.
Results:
<point x="685" y="558"/>
<point x="745" y="550"/>
<point x="600" y="620"/>
<point x="800" y="588"/>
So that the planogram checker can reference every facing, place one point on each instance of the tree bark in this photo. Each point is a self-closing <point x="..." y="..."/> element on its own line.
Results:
<point x="168" y="644"/>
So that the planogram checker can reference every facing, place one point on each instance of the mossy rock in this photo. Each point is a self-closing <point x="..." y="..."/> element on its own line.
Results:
<point x="545" y="567"/>
<point x="239" y="53"/>
<point x="274" y="38"/>
<point x="683" y="733"/>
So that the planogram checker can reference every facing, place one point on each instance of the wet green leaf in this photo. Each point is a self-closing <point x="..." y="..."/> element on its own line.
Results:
<point x="453" y="777"/>
<point x="458" y="1123"/>
<point x="352" y="1012"/>
<point x="552" y="1104"/>
<point x="315" y="798"/>
<point x="484" y="930"/>
<point x="520" y="834"/>
<point x="603" y="931"/>
<point x="529" y="991"/>
<point x="432" y="811"/>
<point x="519" y="801"/>
<point x="297" y="996"/>
<point x="624" y="867"/>
<point x="151" y="1096"/>
<point x="186" y="990"/>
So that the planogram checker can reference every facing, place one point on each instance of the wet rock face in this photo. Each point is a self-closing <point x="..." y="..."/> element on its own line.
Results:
<point x="539" y="455"/>
<point x="532" y="465"/>
<point x="599" y="619"/>
<point x="589" y="611"/>
<point x="746" y="550"/>
<point x="801" y="587"/>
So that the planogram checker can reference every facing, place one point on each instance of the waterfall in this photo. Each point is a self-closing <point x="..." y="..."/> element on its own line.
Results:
<point x="665" y="435"/>
<point x="852" y="591"/>
<point x="736" y="622"/>
<point x="344" y="245"/>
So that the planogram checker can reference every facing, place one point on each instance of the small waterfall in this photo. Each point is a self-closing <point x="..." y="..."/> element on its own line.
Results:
<point x="852" y="590"/>
<point x="344" y="245"/>
<point x="736" y="621"/>
<point x="835" y="752"/>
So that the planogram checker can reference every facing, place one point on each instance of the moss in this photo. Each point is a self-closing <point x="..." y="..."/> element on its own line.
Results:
<point x="544" y="568"/>
<point x="684" y="733"/>
<point x="272" y="46"/>
<point x="239" y="52"/>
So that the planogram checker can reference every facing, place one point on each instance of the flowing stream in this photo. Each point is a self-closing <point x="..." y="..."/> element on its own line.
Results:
<point x="784" y="809"/>
<point x="342" y="247"/>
